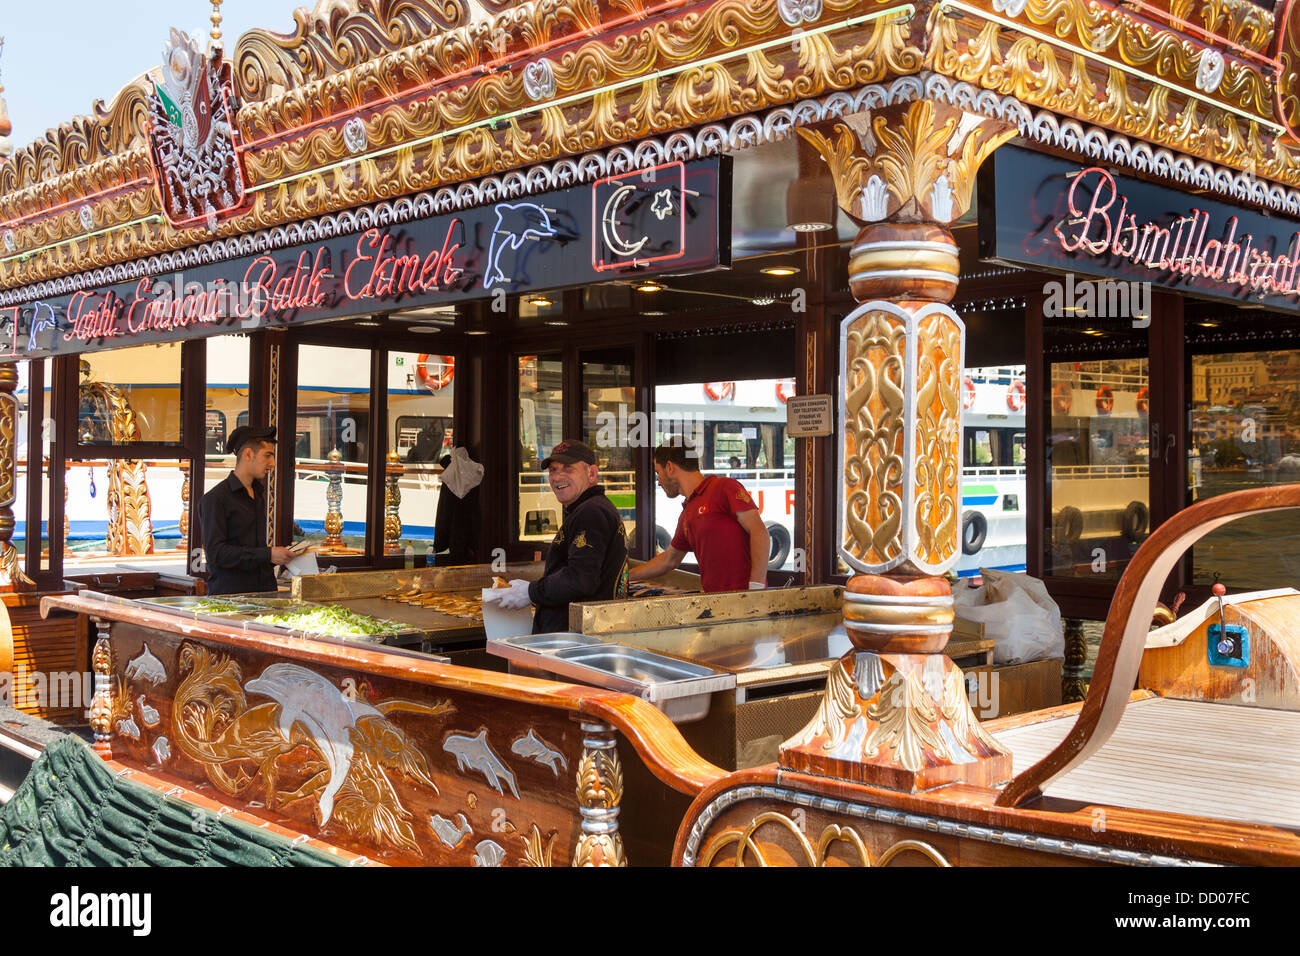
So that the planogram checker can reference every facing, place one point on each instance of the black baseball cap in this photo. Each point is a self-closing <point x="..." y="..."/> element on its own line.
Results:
<point x="245" y="434"/>
<point x="570" y="452"/>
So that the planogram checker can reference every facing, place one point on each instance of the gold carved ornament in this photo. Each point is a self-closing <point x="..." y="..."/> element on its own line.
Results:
<point x="874" y="433"/>
<point x="600" y="787"/>
<point x="538" y="852"/>
<point x="748" y="846"/>
<point x="938" y="437"/>
<point x="238" y="745"/>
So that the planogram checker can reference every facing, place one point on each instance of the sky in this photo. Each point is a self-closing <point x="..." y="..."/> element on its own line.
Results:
<point x="62" y="55"/>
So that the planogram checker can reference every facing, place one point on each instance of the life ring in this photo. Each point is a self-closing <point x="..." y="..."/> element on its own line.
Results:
<point x="968" y="393"/>
<point x="784" y="390"/>
<point x="717" y="391"/>
<point x="437" y="374"/>
<point x="1143" y="400"/>
<point x="663" y="540"/>
<point x="1062" y="397"/>
<point x="1105" y="399"/>
<point x="1016" y="395"/>
<point x="974" y="532"/>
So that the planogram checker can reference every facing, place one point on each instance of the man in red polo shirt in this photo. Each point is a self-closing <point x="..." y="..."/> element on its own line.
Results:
<point x="719" y="522"/>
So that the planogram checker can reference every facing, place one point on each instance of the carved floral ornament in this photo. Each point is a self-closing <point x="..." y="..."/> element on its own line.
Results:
<point x="148" y="252"/>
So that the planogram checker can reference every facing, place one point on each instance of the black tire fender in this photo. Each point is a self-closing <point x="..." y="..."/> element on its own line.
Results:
<point x="1134" y="523"/>
<point x="1067" y="528"/>
<point x="662" y="539"/>
<point x="974" y="532"/>
<point x="781" y="543"/>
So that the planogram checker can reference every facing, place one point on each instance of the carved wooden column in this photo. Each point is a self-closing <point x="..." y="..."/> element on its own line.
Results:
<point x="102" y="703"/>
<point x="896" y="712"/>
<point x="183" y="544"/>
<point x="392" y="504"/>
<point x="1073" y="686"/>
<point x="600" y="791"/>
<point x="11" y="574"/>
<point x="334" y="500"/>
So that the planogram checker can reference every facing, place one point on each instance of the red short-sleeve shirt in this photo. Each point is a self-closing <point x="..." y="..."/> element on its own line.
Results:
<point x="708" y="526"/>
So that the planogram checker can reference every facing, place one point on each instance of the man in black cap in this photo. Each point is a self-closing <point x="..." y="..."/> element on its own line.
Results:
<point x="233" y="515"/>
<point x="588" y="558"/>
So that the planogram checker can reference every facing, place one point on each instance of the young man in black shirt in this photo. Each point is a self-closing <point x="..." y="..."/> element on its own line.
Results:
<point x="233" y="517"/>
<point x="588" y="558"/>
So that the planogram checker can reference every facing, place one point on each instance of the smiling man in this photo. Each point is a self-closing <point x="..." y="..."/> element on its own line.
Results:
<point x="588" y="558"/>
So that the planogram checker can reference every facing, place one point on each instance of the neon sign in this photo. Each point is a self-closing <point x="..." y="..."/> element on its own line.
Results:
<point x="510" y="246"/>
<point x="1050" y="213"/>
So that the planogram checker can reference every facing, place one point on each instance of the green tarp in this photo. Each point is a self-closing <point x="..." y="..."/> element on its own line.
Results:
<point x="71" y="810"/>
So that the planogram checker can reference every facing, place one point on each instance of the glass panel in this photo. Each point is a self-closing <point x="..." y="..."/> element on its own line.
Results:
<point x="609" y="426"/>
<point x="421" y="392"/>
<point x="541" y="427"/>
<point x="1245" y="433"/>
<point x="993" y="471"/>
<point x="226" y="403"/>
<point x="332" y="445"/>
<point x="123" y="508"/>
<point x="129" y="395"/>
<point x="1098" y="466"/>
<point x="739" y="428"/>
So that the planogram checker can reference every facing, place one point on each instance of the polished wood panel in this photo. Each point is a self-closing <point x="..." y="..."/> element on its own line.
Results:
<point x="1128" y="623"/>
<point x="48" y="660"/>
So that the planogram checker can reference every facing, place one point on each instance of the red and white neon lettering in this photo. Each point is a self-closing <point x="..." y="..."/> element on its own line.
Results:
<point x="1179" y="248"/>
<point x="391" y="275"/>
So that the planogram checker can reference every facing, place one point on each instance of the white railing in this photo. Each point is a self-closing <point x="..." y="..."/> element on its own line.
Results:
<point x="993" y="471"/>
<point x="1100" y="471"/>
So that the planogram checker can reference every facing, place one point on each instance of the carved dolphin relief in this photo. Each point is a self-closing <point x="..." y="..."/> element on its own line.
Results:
<point x="487" y="853"/>
<point x="147" y="666"/>
<point x="532" y="747"/>
<point x="475" y="753"/>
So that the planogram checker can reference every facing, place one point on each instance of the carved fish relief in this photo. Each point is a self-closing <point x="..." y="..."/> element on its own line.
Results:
<point x="148" y="714"/>
<point x="532" y="747"/>
<point x="451" y="834"/>
<point x="475" y="753"/>
<point x="147" y="666"/>
<point x="126" y="726"/>
<point x="162" y="750"/>
<point x="488" y="853"/>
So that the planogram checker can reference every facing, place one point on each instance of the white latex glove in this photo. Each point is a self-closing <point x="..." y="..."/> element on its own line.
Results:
<point x="757" y="586"/>
<point x="517" y="597"/>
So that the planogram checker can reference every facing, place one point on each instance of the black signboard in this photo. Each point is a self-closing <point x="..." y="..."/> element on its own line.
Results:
<point x="1067" y="216"/>
<point x="673" y="218"/>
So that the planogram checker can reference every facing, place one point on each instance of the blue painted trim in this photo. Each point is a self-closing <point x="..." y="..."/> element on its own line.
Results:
<point x="979" y="499"/>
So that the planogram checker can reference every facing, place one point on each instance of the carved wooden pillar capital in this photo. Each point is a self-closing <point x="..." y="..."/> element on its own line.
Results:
<point x="896" y="712"/>
<point x="912" y="162"/>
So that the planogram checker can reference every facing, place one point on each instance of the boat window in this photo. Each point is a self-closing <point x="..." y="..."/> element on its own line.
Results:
<point x="739" y="429"/>
<point x="993" y="470"/>
<point x="1244" y="419"/>
<point x="130" y="395"/>
<point x="540" y="391"/>
<point x="332" y="447"/>
<point x="1098" y="466"/>
<point x="227" y="402"/>
<point x="610" y="426"/>
<point x="34" y="412"/>
<point x="421" y="395"/>
<point x="120" y="508"/>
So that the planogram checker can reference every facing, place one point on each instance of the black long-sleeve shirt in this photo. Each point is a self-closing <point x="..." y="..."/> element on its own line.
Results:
<point x="234" y="539"/>
<point x="587" y="561"/>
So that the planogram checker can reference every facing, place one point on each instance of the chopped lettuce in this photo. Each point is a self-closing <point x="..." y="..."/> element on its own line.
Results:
<point x="333" y="620"/>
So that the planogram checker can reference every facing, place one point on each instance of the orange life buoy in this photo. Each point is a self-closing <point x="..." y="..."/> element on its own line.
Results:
<point x="1143" y="400"/>
<point x="1105" y="400"/>
<point x="1062" y="396"/>
<point x="784" y="390"/>
<point x="968" y="393"/>
<point x="1016" y="395"/>
<point x="435" y="372"/>
<point x="719" y="390"/>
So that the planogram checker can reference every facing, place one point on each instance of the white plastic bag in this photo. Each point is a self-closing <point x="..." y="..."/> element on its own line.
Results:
<point x="1021" y="631"/>
<point x="1000" y="584"/>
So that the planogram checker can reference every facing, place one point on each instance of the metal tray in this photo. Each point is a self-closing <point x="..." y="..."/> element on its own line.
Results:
<point x="680" y="689"/>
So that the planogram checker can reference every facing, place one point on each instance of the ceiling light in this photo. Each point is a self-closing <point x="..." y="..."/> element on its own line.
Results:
<point x="423" y="329"/>
<point x="779" y="270"/>
<point x="1208" y="325"/>
<point x="539" y="300"/>
<point x="556" y="322"/>
<point x="654" y="312"/>
<point x="649" y="286"/>
<point x="810" y="204"/>
<point x="477" y="332"/>
<point x="764" y="300"/>
<point x="810" y="226"/>
<point x="368" y="324"/>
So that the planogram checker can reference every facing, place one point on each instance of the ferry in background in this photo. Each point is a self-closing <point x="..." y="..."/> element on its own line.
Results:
<point x="993" y="533"/>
